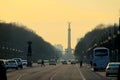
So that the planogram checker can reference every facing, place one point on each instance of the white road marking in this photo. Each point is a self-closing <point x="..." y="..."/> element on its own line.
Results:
<point x="19" y="77"/>
<point x="54" y="74"/>
<point x="80" y="73"/>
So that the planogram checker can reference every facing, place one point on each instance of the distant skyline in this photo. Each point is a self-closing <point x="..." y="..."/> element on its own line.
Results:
<point x="49" y="18"/>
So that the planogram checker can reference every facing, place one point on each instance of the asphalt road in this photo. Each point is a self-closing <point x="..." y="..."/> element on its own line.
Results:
<point x="58" y="72"/>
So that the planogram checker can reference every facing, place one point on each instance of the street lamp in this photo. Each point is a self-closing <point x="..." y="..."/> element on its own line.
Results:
<point x="29" y="55"/>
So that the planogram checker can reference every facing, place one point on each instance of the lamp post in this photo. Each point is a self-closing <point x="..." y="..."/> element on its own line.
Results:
<point x="29" y="55"/>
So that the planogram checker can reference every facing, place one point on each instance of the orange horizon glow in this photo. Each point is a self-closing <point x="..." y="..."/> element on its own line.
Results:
<point x="49" y="18"/>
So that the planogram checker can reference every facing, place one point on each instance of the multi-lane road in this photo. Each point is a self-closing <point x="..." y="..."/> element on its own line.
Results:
<point x="58" y="72"/>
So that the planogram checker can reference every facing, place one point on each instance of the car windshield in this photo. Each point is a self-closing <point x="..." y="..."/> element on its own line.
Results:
<point x="117" y="65"/>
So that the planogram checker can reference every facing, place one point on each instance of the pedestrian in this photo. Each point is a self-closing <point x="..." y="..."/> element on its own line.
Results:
<point x="80" y="63"/>
<point x="91" y="64"/>
<point x="3" y="75"/>
<point x="42" y="63"/>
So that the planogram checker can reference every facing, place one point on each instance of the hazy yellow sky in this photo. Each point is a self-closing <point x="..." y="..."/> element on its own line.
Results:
<point x="49" y="18"/>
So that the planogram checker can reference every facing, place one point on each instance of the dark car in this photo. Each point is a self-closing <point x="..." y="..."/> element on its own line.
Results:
<point x="64" y="62"/>
<point x="3" y="75"/>
<point x="3" y="63"/>
<point x="73" y="62"/>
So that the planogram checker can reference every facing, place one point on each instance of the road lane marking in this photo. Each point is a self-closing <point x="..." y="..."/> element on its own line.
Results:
<point x="80" y="73"/>
<point x="54" y="74"/>
<point x="19" y="77"/>
<point x="52" y="77"/>
<point x="51" y="68"/>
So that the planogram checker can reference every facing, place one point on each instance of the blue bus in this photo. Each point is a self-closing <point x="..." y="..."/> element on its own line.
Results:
<point x="101" y="57"/>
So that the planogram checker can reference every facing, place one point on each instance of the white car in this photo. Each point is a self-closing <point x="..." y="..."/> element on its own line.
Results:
<point x="112" y="68"/>
<point x="24" y="62"/>
<point x="11" y="64"/>
<point x="39" y="61"/>
<point x="19" y="61"/>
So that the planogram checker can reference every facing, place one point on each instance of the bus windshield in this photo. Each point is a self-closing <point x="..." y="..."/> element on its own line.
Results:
<point x="101" y="52"/>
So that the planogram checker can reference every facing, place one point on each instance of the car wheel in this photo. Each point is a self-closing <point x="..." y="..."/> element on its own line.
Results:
<point x="107" y="74"/>
<point x="21" y="66"/>
<point x="16" y="68"/>
<point x="95" y="69"/>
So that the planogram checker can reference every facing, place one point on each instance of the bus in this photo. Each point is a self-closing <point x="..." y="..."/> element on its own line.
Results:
<point x="101" y="57"/>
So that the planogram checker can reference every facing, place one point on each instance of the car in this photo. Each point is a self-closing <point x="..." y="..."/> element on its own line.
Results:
<point x="39" y="61"/>
<point x="24" y="62"/>
<point x="112" y="68"/>
<point x="52" y="62"/>
<point x="11" y="64"/>
<point x="3" y="63"/>
<point x="46" y="61"/>
<point x="64" y="62"/>
<point x="19" y="61"/>
<point x="73" y="62"/>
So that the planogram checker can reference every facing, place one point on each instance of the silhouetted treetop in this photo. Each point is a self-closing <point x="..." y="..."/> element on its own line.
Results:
<point x="14" y="35"/>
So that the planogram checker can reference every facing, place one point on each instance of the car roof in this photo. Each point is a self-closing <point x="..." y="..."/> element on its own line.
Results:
<point x="3" y="60"/>
<point x="16" y="58"/>
<point x="114" y="63"/>
<point x="100" y="48"/>
<point x="11" y="60"/>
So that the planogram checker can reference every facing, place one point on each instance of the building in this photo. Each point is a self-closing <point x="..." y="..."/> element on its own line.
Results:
<point x="58" y="47"/>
